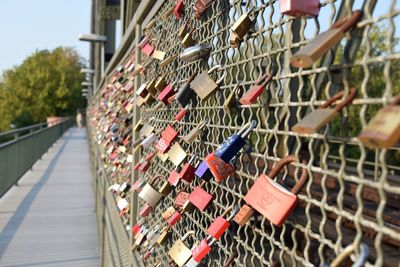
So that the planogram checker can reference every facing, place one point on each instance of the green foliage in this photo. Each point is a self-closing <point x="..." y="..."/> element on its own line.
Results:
<point x="47" y="83"/>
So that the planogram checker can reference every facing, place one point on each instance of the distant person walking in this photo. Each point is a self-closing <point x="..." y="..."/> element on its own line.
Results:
<point x="79" y="119"/>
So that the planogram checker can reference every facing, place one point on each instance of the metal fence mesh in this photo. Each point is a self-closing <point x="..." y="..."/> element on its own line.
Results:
<point x="353" y="193"/>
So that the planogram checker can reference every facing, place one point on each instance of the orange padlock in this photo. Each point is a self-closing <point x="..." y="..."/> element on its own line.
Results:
<point x="271" y="199"/>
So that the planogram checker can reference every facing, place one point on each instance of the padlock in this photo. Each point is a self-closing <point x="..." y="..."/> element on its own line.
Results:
<point x="383" y="131"/>
<point x="145" y="211"/>
<point x="179" y="9"/>
<point x="320" y="117"/>
<point x="204" y="85"/>
<point x="149" y="193"/>
<point x="185" y="94"/>
<point x="159" y="55"/>
<point x="188" y="207"/>
<point x="146" y="129"/>
<point x="181" y="198"/>
<point x="122" y="204"/>
<point x="299" y="8"/>
<point x="231" y="146"/>
<point x="138" y="126"/>
<point x="220" y="225"/>
<point x="141" y="237"/>
<point x="124" y="188"/>
<point x="166" y="93"/>
<point x="230" y="101"/>
<point x="182" y="112"/>
<point x="167" y="137"/>
<point x="145" y="163"/>
<point x="250" y="97"/>
<point x="168" y="213"/>
<point x="202" y="249"/>
<point x="165" y="189"/>
<point x="163" y="236"/>
<point x="143" y="41"/>
<point x="195" y="132"/>
<point x="179" y="252"/>
<point x="138" y="185"/>
<point x="243" y="25"/>
<point x="149" y="140"/>
<point x="140" y="101"/>
<point x="148" y="49"/>
<point x="346" y="252"/>
<point x="219" y="168"/>
<point x="160" y="83"/>
<point x="203" y="172"/>
<point x="271" y="199"/>
<point x="188" y="40"/>
<point x="174" y="218"/>
<point x="168" y="60"/>
<point x="200" y="198"/>
<point x="174" y="178"/>
<point x="244" y="215"/>
<point x="151" y="88"/>
<point x="234" y="40"/>
<point x="200" y="6"/>
<point x="196" y="52"/>
<point x="188" y="170"/>
<point x="149" y="100"/>
<point x="176" y="154"/>
<point x="316" y="48"/>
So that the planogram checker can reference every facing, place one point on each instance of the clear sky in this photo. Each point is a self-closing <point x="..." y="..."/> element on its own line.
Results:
<point x="27" y="25"/>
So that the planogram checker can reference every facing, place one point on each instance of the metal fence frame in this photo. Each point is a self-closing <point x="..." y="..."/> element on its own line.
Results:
<point x="28" y="144"/>
<point x="288" y="96"/>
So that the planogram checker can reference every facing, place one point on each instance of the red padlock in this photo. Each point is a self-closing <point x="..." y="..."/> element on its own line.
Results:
<point x="182" y="113"/>
<point x="136" y="229"/>
<point x="272" y="200"/>
<point x="256" y="90"/>
<point x="179" y="9"/>
<point x="201" y="250"/>
<point x="174" y="218"/>
<point x="200" y="198"/>
<point x="219" y="168"/>
<point x="165" y="94"/>
<point x="145" y="211"/>
<point x="181" y="198"/>
<point x="188" y="170"/>
<point x="169" y="134"/>
<point x="148" y="49"/>
<point x="174" y="178"/>
<point x="162" y="146"/>
<point x="220" y="225"/>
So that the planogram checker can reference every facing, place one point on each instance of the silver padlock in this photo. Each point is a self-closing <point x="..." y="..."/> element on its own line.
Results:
<point x="151" y="194"/>
<point x="149" y="140"/>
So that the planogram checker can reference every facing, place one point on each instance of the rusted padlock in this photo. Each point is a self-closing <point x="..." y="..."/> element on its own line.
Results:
<point x="271" y="199"/>
<point x="383" y="131"/>
<point x="204" y="85"/>
<point x="219" y="168"/>
<point x="316" y="48"/>
<point x="320" y="117"/>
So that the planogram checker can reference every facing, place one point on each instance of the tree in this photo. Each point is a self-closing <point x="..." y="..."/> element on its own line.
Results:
<point x="47" y="83"/>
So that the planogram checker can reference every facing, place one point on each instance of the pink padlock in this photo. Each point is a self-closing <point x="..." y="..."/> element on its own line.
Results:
<point x="299" y="8"/>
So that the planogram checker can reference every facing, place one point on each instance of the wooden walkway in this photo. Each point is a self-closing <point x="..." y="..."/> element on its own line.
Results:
<point x="49" y="219"/>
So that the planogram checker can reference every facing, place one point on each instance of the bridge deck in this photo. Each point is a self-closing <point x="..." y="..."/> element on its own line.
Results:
<point x="49" y="219"/>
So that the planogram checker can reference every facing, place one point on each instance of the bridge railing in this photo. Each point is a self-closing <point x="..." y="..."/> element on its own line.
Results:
<point x="21" y="148"/>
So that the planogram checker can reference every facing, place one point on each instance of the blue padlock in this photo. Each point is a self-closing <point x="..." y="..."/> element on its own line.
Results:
<point x="203" y="172"/>
<point x="231" y="146"/>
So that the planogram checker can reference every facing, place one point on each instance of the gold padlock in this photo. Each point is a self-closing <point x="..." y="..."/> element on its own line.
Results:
<point x="149" y="193"/>
<point x="151" y="87"/>
<point x="195" y="132"/>
<point x="188" y="207"/>
<point x="147" y="128"/>
<point x="149" y="99"/>
<point x="183" y="30"/>
<point x="168" y="60"/>
<point x="160" y="55"/>
<point x="179" y="252"/>
<point x="383" y="131"/>
<point x="139" y="101"/>
<point x="161" y="83"/>
<point x="311" y="52"/>
<point x="234" y="40"/>
<point x="188" y="40"/>
<point x="165" y="188"/>
<point x="204" y="85"/>
<point x="318" y="118"/>
<point x="231" y="99"/>
<point x="138" y="126"/>
<point x="176" y="154"/>
<point x="243" y="25"/>
<point x="162" y="157"/>
<point x="164" y="236"/>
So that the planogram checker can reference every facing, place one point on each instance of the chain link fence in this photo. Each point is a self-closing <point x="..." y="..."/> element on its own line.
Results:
<point x="353" y="192"/>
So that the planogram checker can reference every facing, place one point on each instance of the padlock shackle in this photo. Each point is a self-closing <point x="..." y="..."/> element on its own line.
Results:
<point x="279" y="166"/>
<point x="193" y="157"/>
<point x="217" y="68"/>
<point x="156" y="178"/>
<point x="229" y="261"/>
<point x="202" y="184"/>
<point x="190" y="233"/>
<point x="347" y="22"/>
<point x="251" y="128"/>
<point x="346" y="252"/>
<point x="338" y="96"/>
<point x="227" y="210"/>
<point x="265" y="79"/>
<point x="301" y="182"/>
<point x="244" y="128"/>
